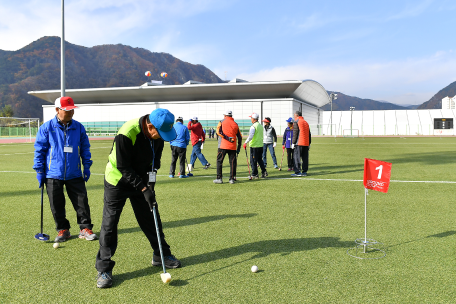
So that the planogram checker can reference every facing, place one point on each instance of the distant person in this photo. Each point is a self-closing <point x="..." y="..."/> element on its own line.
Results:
<point x="179" y="148"/>
<point x="255" y="141"/>
<point x="197" y="137"/>
<point x="269" y="142"/>
<point x="61" y="146"/>
<point x="131" y="173"/>
<point x="231" y="141"/>
<point x="300" y="143"/>
<point x="286" y="143"/>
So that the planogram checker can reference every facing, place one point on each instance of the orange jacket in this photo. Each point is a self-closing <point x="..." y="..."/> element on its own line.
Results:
<point x="301" y="132"/>
<point x="229" y="132"/>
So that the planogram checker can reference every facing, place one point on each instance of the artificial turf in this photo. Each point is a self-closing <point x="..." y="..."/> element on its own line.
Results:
<point x="296" y="230"/>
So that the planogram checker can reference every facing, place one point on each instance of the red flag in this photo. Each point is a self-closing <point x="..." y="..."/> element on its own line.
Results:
<point x="377" y="175"/>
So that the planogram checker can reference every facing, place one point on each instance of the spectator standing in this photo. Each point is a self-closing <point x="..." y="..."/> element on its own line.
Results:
<point x="300" y="143"/>
<point x="231" y="140"/>
<point x="286" y="143"/>
<point x="131" y="173"/>
<point x="60" y="147"/>
<point x="197" y="137"/>
<point x="269" y="142"/>
<point x="255" y="141"/>
<point x="179" y="148"/>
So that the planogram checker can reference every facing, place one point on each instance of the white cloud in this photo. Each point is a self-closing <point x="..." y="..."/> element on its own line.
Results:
<point x="412" y="10"/>
<point x="411" y="81"/>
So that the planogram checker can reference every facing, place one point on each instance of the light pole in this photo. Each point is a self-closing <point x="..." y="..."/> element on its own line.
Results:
<point x="332" y="97"/>
<point x="351" y="120"/>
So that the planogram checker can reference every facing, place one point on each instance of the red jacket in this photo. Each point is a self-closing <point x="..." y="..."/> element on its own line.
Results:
<point x="227" y="129"/>
<point x="197" y="132"/>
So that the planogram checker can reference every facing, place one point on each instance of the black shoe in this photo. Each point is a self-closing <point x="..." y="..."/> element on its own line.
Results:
<point x="170" y="261"/>
<point x="255" y="177"/>
<point x="264" y="174"/>
<point x="207" y="166"/>
<point x="104" y="279"/>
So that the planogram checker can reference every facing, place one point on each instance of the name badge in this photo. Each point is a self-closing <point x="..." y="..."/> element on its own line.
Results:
<point x="152" y="177"/>
<point x="68" y="149"/>
<point x="289" y="138"/>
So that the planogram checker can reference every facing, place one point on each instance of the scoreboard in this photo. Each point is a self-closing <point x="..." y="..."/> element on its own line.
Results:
<point x="443" y="126"/>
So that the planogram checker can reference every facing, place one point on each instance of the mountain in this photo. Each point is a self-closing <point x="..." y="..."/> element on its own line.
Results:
<point x="344" y="102"/>
<point x="37" y="67"/>
<point x="436" y="101"/>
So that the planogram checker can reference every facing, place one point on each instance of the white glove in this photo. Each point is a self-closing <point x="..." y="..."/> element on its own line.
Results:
<point x="202" y="146"/>
<point x="274" y="145"/>
<point x="292" y="146"/>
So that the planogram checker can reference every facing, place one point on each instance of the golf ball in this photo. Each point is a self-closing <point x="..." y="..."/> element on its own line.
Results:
<point x="56" y="245"/>
<point x="254" y="268"/>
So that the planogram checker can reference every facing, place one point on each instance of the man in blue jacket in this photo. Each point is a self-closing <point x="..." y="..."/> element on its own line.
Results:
<point x="179" y="148"/>
<point x="60" y="147"/>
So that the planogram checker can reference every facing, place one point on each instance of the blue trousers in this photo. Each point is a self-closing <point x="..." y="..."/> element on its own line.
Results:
<point x="271" y="150"/>
<point x="196" y="153"/>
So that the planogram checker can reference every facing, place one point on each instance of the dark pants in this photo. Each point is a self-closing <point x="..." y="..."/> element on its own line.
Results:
<point x="232" y="160"/>
<point x="290" y="158"/>
<point x="114" y="201"/>
<point x="301" y="153"/>
<point x="77" y="193"/>
<point x="181" y="153"/>
<point x="256" y="158"/>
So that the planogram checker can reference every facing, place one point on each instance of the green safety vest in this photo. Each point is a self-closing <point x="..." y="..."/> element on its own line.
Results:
<point x="257" y="140"/>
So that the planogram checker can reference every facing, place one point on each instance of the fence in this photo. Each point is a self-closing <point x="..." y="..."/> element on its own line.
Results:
<point x="17" y="131"/>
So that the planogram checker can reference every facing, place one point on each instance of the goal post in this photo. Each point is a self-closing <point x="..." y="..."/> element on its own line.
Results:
<point x="351" y="133"/>
<point x="19" y="127"/>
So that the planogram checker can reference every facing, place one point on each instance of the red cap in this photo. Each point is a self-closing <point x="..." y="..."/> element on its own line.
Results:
<point x="65" y="103"/>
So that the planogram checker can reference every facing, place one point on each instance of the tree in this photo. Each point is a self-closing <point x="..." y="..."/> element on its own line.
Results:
<point x="7" y="111"/>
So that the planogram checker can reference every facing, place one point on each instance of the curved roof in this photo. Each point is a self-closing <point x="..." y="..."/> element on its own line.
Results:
<point x="308" y="91"/>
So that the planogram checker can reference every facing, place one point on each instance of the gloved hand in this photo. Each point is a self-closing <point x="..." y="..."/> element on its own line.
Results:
<point x="41" y="177"/>
<point x="238" y="150"/>
<point x="309" y="147"/>
<point x="274" y="145"/>
<point x="283" y="147"/>
<point x="245" y="146"/>
<point x="292" y="146"/>
<point x="86" y="174"/>
<point x="149" y="195"/>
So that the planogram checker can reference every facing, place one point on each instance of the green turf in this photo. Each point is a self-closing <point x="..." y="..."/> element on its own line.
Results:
<point x="297" y="231"/>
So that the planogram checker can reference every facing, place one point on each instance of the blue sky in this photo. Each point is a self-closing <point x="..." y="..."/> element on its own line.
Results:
<point x="397" y="51"/>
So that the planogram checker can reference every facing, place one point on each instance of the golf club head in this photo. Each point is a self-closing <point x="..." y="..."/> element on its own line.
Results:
<point x="166" y="277"/>
<point x="280" y="169"/>
<point x="42" y="237"/>
<point x="250" y="177"/>
<point x="190" y="174"/>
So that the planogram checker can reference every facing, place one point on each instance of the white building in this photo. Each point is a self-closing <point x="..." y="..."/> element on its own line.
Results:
<point x="448" y="103"/>
<point x="104" y="109"/>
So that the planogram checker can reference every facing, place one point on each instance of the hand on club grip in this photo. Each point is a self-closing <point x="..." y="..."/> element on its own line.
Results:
<point x="245" y="146"/>
<point x="149" y="195"/>
<point x="41" y="177"/>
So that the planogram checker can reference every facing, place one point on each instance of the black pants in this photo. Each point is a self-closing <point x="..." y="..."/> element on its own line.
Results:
<point x="290" y="158"/>
<point x="181" y="153"/>
<point x="114" y="201"/>
<point x="301" y="153"/>
<point x="77" y="193"/>
<point x="256" y="158"/>
<point x="232" y="160"/>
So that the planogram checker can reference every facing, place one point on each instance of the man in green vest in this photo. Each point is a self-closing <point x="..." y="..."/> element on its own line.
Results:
<point x="255" y="141"/>
<point x="131" y="173"/>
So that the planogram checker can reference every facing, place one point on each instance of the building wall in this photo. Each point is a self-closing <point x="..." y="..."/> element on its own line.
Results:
<point x="448" y="103"/>
<point x="387" y="122"/>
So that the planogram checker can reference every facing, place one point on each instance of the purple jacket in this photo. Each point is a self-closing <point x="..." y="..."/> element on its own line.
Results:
<point x="287" y="137"/>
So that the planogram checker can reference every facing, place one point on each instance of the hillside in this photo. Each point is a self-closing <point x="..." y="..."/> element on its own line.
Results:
<point x="436" y="101"/>
<point x="344" y="102"/>
<point x="37" y="67"/>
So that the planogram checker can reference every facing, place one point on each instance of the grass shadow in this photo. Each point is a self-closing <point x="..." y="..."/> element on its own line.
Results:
<point x="192" y="221"/>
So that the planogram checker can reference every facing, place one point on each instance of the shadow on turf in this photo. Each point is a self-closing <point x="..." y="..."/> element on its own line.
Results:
<point x="438" y="235"/>
<point x="38" y="192"/>
<point x="265" y="248"/>
<point x="192" y="221"/>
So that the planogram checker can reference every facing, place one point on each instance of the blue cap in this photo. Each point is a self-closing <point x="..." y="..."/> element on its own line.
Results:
<point x="289" y="120"/>
<point x="163" y="121"/>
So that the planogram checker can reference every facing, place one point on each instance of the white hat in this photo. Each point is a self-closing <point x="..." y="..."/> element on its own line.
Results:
<point x="195" y="118"/>
<point x="228" y="112"/>
<point x="254" y="116"/>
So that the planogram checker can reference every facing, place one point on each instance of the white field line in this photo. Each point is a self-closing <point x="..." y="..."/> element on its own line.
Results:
<point x="280" y="178"/>
<point x="34" y="151"/>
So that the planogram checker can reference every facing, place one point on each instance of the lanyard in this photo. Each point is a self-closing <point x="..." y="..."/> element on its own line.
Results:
<point x="153" y="153"/>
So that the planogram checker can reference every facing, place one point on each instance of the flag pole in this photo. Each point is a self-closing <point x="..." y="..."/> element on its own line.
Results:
<point x="365" y="219"/>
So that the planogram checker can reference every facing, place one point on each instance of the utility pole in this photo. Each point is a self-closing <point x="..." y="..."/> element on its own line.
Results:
<point x="332" y="97"/>
<point x="351" y="120"/>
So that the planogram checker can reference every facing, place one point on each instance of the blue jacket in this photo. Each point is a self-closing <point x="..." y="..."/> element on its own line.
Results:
<point x="49" y="150"/>
<point x="183" y="136"/>
<point x="287" y="137"/>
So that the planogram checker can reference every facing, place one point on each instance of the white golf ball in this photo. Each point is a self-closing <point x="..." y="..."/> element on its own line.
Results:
<point x="56" y="245"/>
<point x="254" y="268"/>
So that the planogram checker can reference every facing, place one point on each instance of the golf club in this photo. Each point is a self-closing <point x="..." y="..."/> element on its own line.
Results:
<point x="248" y="165"/>
<point x="188" y="168"/>
<point x="166" y="277"/>
<point x="283" y="152"/>
<point x="42" y="236"/>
